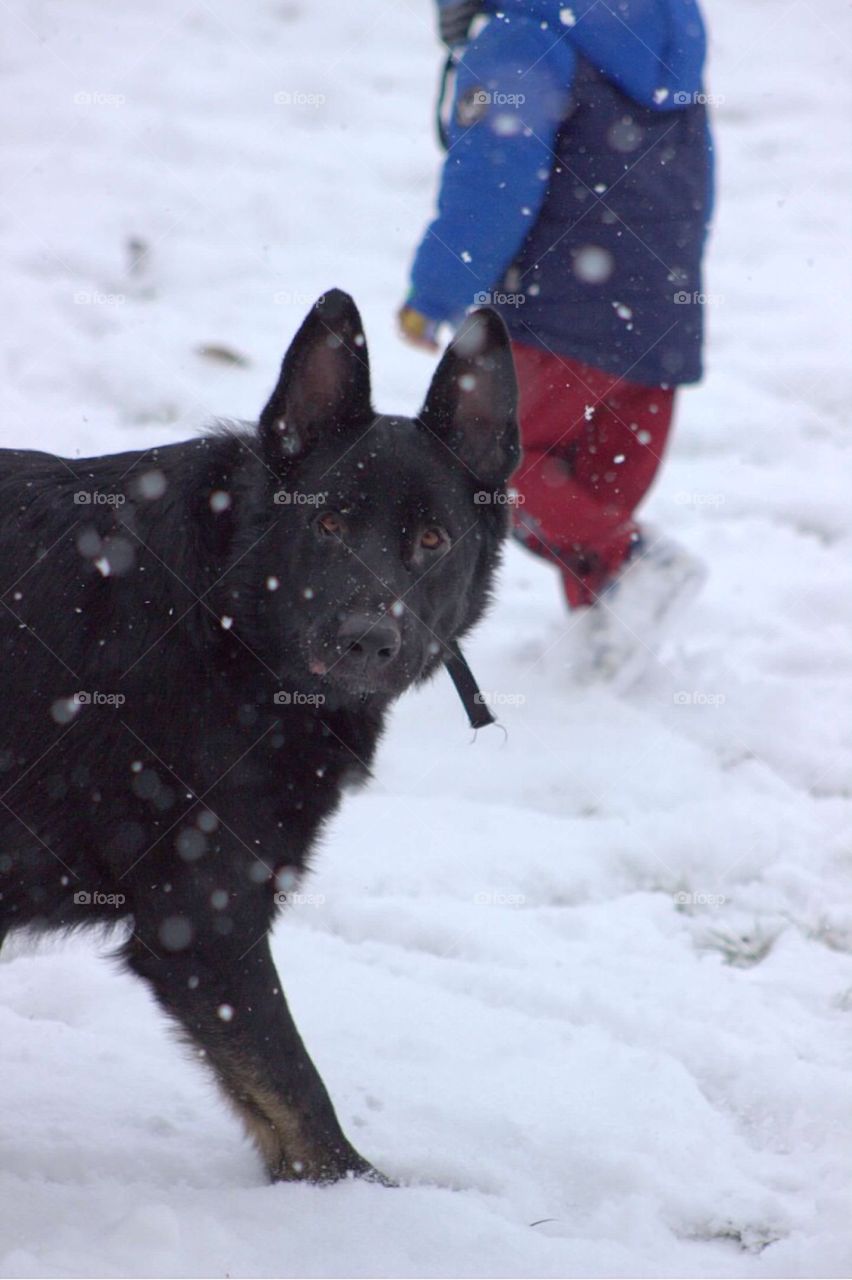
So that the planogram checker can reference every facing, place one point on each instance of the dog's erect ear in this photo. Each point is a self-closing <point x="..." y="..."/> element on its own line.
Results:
<point x="472" y="405"/>
<point x="324" y="385"/>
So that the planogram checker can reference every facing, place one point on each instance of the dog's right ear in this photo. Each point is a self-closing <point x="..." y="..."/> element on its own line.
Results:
<point x="324" y="385"/>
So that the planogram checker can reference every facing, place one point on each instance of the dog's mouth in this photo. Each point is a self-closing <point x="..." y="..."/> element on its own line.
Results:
<point x="361" y="679"/>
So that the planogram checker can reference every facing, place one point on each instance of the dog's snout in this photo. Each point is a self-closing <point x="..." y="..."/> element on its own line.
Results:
<point x="370" y="641"/>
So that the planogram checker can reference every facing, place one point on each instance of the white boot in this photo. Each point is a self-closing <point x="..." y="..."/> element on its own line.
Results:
<point x="622" y="633"/>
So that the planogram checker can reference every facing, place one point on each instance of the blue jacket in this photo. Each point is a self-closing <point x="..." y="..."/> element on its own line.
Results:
<point x="576" y="191"/>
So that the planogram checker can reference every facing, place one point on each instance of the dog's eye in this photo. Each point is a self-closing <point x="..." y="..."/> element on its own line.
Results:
<point x="433" y="539"/>
<point x="330" y="524"/>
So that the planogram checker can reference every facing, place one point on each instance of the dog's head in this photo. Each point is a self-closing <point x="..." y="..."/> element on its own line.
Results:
<point x="387" y="528"/>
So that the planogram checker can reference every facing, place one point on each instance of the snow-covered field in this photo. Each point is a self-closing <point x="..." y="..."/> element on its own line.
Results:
<point x="586" y="992"/>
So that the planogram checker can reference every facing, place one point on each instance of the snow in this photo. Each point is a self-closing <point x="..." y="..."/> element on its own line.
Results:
<point x="584" y="991"/>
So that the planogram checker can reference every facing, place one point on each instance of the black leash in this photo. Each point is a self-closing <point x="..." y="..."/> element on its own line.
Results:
<point x="468" y="690"/>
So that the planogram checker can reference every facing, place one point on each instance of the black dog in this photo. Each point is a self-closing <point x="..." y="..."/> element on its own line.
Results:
<point x="198" y="648"/>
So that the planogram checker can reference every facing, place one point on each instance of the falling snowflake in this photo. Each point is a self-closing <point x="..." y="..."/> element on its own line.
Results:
<point x="152" y="484"/>
<point x="593" y="264"/>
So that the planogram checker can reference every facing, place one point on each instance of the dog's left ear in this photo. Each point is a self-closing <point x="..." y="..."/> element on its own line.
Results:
<point x="324" y="385"/>
<point x="472" y="405"/>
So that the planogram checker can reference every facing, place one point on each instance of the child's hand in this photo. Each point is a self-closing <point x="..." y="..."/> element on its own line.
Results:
<point x="417" y="329"/>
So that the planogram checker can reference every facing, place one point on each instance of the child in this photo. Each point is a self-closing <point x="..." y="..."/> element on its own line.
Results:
<point x="575" y="198"/>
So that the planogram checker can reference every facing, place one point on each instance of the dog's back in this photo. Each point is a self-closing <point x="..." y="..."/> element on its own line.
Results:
<point x="101" y="654"/>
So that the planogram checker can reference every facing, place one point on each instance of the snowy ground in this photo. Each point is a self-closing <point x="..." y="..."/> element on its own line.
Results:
<point x="572" y="1069"/>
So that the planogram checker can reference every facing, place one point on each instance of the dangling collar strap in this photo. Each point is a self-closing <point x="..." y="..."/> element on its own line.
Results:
<point x="466" y="687"/>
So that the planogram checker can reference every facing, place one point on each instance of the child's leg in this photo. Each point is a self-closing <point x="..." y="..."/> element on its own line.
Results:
<point x="592" y="446"/>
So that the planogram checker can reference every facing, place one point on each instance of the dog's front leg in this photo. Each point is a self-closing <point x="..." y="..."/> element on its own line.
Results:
<point x="231" y="1007"/>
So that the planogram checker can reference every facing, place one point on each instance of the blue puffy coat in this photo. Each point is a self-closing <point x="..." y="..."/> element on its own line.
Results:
<point x="577" y="187"/>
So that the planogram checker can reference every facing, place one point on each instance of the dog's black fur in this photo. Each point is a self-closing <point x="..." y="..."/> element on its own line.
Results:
<point x="240" y="611"/>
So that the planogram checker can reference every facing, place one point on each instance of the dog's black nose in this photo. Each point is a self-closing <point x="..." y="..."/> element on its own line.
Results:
<point x="368" y="641"/>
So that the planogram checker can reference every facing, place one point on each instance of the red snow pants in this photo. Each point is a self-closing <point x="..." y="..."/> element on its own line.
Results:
<point x="592" y="444"/>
